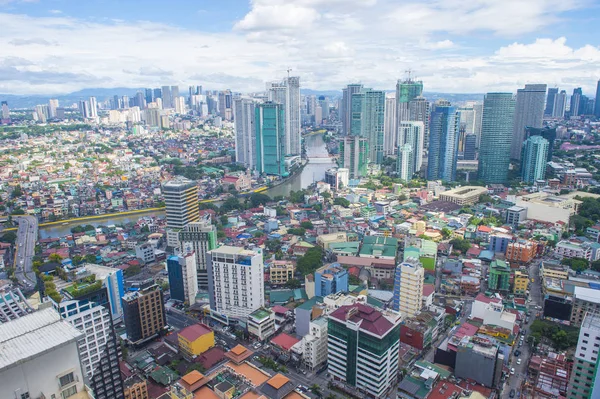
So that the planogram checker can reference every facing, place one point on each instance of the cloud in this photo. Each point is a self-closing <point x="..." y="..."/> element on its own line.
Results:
<point x="149" y="71"/>
<point x="279" y="16"/>
<point x="55" y="12"/>
<point x="26" y="42"/>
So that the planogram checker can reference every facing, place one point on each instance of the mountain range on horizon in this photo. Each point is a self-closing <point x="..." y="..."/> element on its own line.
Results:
<point x="16" y="101"/>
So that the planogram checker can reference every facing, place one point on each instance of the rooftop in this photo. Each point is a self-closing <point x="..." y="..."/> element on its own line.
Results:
<point x="368" y="318"/>
<point x="587" y="294"/>
<point x="592" y="321"/>
<point x="260" y="314"/>
<point x="33" y="335"/>
<point x="194" y="331"/>
<point x="285" y="341"/>
<point x="229" y="250"/>
<point x="278" y="380"/>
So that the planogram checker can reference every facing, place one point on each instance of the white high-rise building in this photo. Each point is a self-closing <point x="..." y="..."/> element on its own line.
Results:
<point x="180" y="107"/>
<point x="419" y="110"/>
<point x="52" y="106"/>
<point x="245" y="131"/>
<point x="405" y="165"/>
<point x="199" y="238"/>
<point x="42" y="113"/>
<point x="529" y="112"/>
<point x="93" y="107"/>
<point x="560" y="105"/>
<point x="389" y="126"/>
<point x="183" y="280"/>
<point x="287" y="93"/>
<point x="413" y="133"/>
<point x="235" y="281"/>
<point x="40" y="358"/>
<point x="408" y="287"/>
<point x="314" y="344"/>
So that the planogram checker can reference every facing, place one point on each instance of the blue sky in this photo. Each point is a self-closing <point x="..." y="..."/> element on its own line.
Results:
<point x="57" y="46"/>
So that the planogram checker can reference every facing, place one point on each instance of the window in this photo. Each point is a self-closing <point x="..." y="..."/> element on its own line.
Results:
<point x="69" y="392"/>
<point x="66" y="379"/>
<point x="25" y="395"/>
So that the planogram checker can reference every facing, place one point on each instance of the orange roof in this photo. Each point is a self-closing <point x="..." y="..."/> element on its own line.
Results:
<point x="294" y="395"/>
<point x="238" y="349"/>
<point x="278" y="381"/>
<point x="192" y="377"/>
<point x="252" y="395"/>
<point x="205" y="393"/>
<point x="252" y="374"/>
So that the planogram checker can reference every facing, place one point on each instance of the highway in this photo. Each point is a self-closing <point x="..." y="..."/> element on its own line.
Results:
<point x="25" y="244"/>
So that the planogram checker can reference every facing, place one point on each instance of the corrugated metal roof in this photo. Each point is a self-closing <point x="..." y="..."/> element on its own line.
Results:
<point x="32" y="335"/>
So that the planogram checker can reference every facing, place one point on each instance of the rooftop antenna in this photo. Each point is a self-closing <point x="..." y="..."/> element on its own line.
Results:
<point x="288" y="72"/>
<point x="409" y="72"/>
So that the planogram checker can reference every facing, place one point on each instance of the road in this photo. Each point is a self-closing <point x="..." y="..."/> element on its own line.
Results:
<point x="25" y="244"/>
<point x="535" y="295"/>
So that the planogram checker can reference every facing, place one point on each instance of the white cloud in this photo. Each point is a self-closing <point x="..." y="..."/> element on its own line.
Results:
<point x="329" y="43"/>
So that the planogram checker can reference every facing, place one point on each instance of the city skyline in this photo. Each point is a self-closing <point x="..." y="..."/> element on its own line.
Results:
<point x="53" y="47"/>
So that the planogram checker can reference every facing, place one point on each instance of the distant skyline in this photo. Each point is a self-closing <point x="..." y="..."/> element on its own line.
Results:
<point x="60" y="46"/>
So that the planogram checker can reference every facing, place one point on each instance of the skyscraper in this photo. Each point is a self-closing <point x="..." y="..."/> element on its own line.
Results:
<point x="363" y="348"/>
<point x="411" y="133"/>
<point x="406" y="91"/>
<point x="576" y="98"/>
<point x="470" y="147"/>
<point x="199" y="238"/>
<point x="548" y="133"/>
<point x="181" y="200"/>
<point x="149" y="96"/>
<point x="157" y="94"/>
<point x="354" y="155"/>
<point x="496" y="135"/>
<point x="287" y="93"/>
<point x="418" y="110"/>
<point x="550" y="101"/>
<point x="529" y="111"/>
<point x="346" y="106"/>
<point x="405" y="166"/>
<point x="585" y="373"/>
<point x="93" y="107"/>
<point x="244" y="110"/>
<point x="443" y="142"/>
<point x="144" y="311"/>
<point x="390" y="131"/>
<point x="597" y="101"/>
<point x="5" y="113"/>
<point x="235" y="281"/>
<point x="408" y="287"/>
<point x="183" y="285"/>
<point x="560" y="104"/>
<point x="534" y="160"/>
<point x="225" y="105"/>
<point x="368" y="107"/>
<point x="52" y="107"/>
<point x="270" y="139"/>
<point x="166" y="97"/>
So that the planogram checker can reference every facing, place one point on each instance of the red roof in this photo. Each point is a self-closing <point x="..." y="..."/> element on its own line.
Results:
<point x="279" y="309"/>
<point x="372" y="320"/>
<point x="428" y="289"/>
<point x="484" y="229"/>
<point x="482" y="298"/>
<point x="444" y="390"/>
<point x="194" y="332"/>
<point x="284" y="341"/>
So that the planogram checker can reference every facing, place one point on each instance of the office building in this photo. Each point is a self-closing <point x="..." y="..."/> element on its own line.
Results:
<point x="181" y="200"/>
<point x="470" y="147"/>
<point x="443" y="142"/>
<point x="314" y="344"/>
<point x="354" y="155"/>
<point x="112" y="280"/>
<point x="225" y="105"/>
<point x="368" y="108"/>
<point x="270" y="139"/>
<point x="529" y="111"/>
<point x="534" y="159"/>
<point x="244" y="110"/>
<point x="13" y="305"/>
<point x="547" y="133"/>
<point x="52" y="107"/>
<point x="5" y="113"/>
<point x="516" y="215"/>
<point x="390" y="130"/>
<point x="499" y="275"/>
<point x="135" y="387"/>
<point x="331" y="279"/>
<point x="405" y="167"/>
<point x="597" y="101"/>
<point x="464" y="195"/>
<point x="183" y="280"/>
<point x="261" y="324"/>
<point x="363" y="349"/>
<point x="413" y="133"/>
<point x="199" y="238"/>
<point x="576" y="108"/>
<point x="40" y="358"/>
<point x="418" y="110"/>
<point x="406" y="91"/>
<point x="585" y="300"/>
<point x="235" y="281"/>
<point x="408" y="287"/>
<point x="479" y="359"/>
<point x="496" y="136"/>
<point x="93" y="107"/>
<point x="560" y="105"/>
<point x="41" y="112"/>
<point x="585" y="367"/>
<point x="166" y="97"/>
<point x="281" y="271"/>
<point x="148" y="96"/>
<point x="551" y="101"/>
<point x="86" y="306"/>
<point x="144" y="312"/>
<point x="179" y="105"/>
<point x="287" y="93"/>
<point x="346" y="107"/>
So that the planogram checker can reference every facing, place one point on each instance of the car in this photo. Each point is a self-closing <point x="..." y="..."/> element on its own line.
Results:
<point x="518" y="361"/>
<point x="517" y="353"/>
<point x="512" y="393"/>
<point x="512" y="371"/>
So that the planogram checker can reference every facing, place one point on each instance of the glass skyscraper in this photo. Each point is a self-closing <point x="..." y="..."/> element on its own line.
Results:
<point x="496" y="136"/>
<point x="443" y="142"/>
<point x="270" y="139"/>
<point x="367" y="120"/>
<point x="534" y="159"/>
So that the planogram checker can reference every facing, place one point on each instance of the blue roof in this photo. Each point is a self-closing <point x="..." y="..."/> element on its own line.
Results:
<point x="485" y="254"/>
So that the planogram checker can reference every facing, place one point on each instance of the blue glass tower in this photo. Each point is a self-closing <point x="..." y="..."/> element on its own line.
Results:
<point x="443" y="143"/>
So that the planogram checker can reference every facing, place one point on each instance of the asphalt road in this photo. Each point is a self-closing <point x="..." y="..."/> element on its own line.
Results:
<point x="26" y="239"/>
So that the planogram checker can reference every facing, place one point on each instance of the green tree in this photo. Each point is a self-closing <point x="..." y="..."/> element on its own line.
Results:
<point x="311" y="261"/>
<point x="90" y="258"/>
<point x="446" y="232"/>
<point x="145" y="229"/>
<point x="354" y="280"/>
<point x="460" y="244"/>
<point x="341" y="202"/>
<point x="257" y="199"/>
<point x="293" y="283"/>
<point x="9" y="237"/>
<point x="326" y="195"/>
<point x="297" y="196"/>
<point x="297" y="231"/>
<point x="316" y="389"/>
<point x="55" y="258"/>
<point x="307" y="225"/>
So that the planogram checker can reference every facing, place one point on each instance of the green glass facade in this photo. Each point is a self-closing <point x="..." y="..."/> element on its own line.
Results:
<point x="496" y="137"/>
<point x="408" y="90"/>
<point x="534" y="159"/>
<point x="354" y="155"/>
<point x="367" y="120"/>
<point x="270" y="139"/>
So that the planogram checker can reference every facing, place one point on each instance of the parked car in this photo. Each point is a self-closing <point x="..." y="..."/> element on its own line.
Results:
<point x="518" y="361"/>
<point x="512" y="371"/>
<point x="517" y="353"/>
<point x="512" y="393"/>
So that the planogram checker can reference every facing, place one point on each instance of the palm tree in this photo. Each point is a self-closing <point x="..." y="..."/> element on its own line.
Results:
<point x="316" y="390"/>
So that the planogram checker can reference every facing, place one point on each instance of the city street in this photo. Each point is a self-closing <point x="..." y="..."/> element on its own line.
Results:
<point x="25" y="244"/>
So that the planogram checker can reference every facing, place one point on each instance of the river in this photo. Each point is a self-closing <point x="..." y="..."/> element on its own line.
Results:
<point x="312" y="172"/>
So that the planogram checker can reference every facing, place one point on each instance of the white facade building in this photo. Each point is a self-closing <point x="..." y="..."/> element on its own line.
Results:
<point x="40" y="358"/>
<point x="245" y="134"/>
<point x="314" y="344"/>
<point x="287" y="93"/>
<point x="261" y="324"/>
<point x="235" y="281"/>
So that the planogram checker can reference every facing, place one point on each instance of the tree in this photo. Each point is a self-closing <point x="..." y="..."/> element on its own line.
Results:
<point x="354" y="280"/>
<point x="89" y="258"/>
<point x="577" y="264"/>
<point x="311" y="261"/>
<point x="296" y="231"/>
<point x="307" y="224"/>
<point x="316" y="390"/>
<point x="341" y="202"/>
<point x="257" y="199"/>
<point x="18" y="211"/>
<point x="293" y="283"/>
<point x="485" y="198"/>
<point x="460" y="244"/>
<point x="55" y="258"/>
<point x="297" y="196"/>
<point x="446" y="232"/>
<point x="273" y="245"/>
<point x="230" y="204"/>
<point x="9" y="237"/>
<point x="145" y="229"/>
<point x="326" y="195"/>
<point x="17" y="192"/>
<point x="224" y="220"/>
